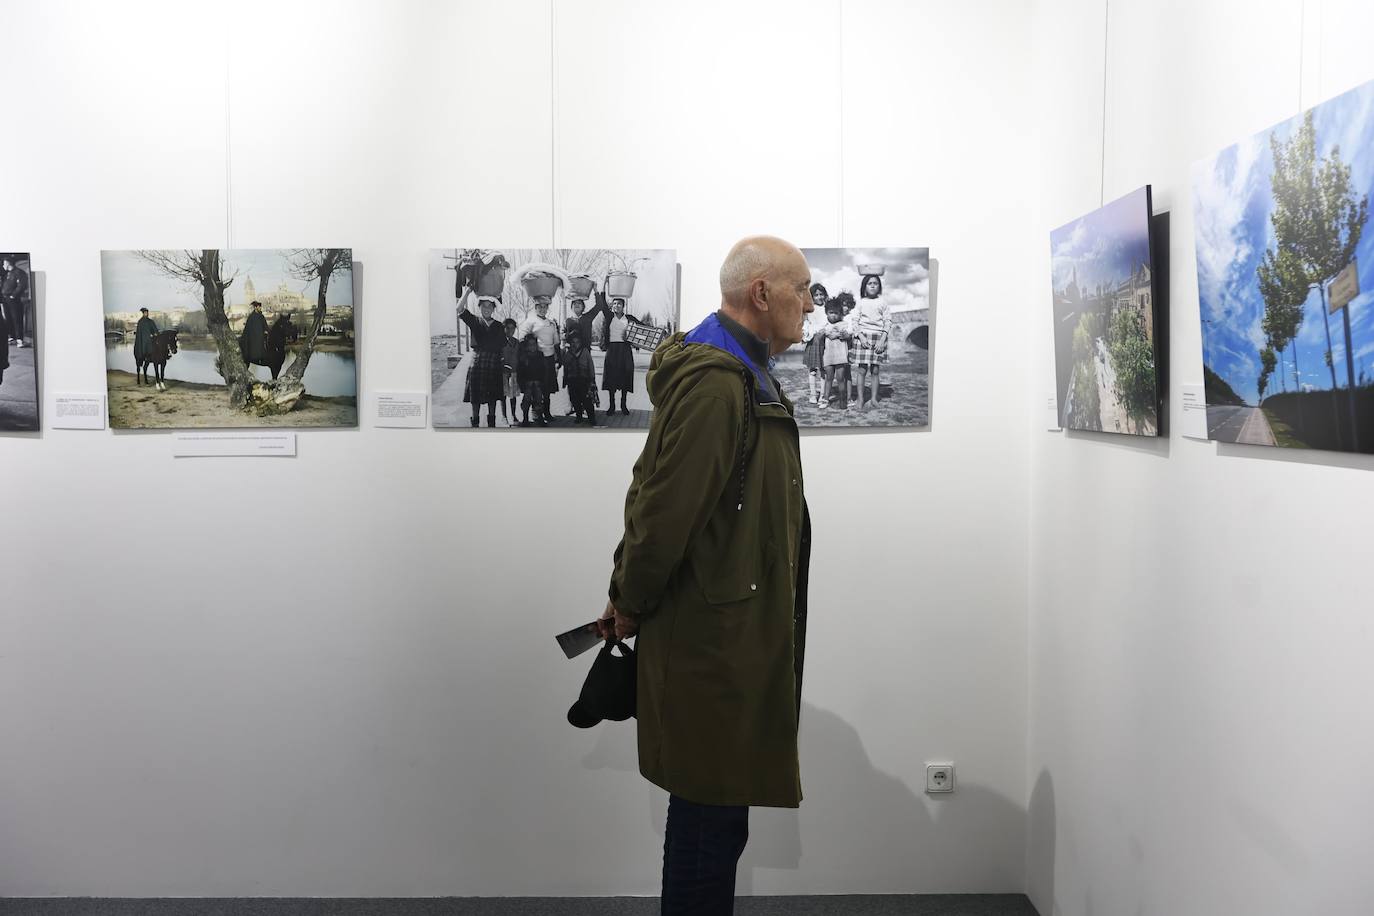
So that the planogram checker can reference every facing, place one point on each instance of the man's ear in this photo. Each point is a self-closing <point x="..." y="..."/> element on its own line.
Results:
<point x="758" y="292"/>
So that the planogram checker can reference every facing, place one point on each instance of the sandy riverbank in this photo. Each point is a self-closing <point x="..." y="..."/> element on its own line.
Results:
<point x="190" y="405"/>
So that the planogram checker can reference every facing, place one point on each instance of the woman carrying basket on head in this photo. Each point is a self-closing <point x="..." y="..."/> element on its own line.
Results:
<point x="619" y="371"/>
<point x="486" y="376"/>
<point x="871" y="326"/>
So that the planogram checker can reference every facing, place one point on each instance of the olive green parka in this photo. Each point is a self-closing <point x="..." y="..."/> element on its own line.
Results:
<point x="713" y="566"/>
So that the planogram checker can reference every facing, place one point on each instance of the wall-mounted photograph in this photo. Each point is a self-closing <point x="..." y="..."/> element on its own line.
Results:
<point x="18" y="344"/>
<point x="204" y="338"/>
<point x="1285" y="272"/>
<point x="529" y="338"/>
<point x="864" y="359"/>
<point x="1106" y="351"/>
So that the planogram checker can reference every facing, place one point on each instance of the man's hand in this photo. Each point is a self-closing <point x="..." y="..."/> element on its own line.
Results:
<point x="614" y="625"/>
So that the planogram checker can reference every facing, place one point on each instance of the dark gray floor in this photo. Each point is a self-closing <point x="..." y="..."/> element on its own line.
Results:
<point x="869" y="905"/>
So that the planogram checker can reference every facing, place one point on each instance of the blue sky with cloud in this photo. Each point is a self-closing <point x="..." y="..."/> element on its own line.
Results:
<point x="1105" y="246"/>
<point x="130" y="283"/>
<point x="1231" y="207"/>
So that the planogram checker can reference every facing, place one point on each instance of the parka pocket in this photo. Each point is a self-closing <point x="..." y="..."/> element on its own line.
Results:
<point x="738" y="579"/>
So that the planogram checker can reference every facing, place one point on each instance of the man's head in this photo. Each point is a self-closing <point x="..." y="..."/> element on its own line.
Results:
<point x="257" y="306"/>
<point x="765" y="286"/>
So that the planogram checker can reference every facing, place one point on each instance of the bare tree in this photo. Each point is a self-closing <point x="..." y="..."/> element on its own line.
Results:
<point x="314" y="265"/>
<point x="203" y="268"/>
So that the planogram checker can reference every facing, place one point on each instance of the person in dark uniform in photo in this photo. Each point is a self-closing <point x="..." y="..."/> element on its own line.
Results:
<point x="711" y="573"/>
<point x="144" y="332"/>
<point x="14" y="291"/>
<point x="253" y="340"/>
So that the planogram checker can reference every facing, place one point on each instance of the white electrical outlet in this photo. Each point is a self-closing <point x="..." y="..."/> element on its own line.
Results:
<point x="939" y="777"/>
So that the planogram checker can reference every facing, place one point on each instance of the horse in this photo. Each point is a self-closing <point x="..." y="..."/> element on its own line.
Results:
<point x="164" y="345"/>
<point x="282" y="332"/>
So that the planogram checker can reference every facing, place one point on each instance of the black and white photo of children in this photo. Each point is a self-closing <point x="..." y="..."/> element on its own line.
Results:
<point x="864" y="358"/>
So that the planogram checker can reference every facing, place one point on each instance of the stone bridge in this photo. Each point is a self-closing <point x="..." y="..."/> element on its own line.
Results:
<point x="912" y="327"/>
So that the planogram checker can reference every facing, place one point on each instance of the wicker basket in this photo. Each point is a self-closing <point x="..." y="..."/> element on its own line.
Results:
<point x="871" y="270"/>
<point x="540" y="286"/>
<point x="580" y="286"/>
<point x="620" y="285"/>
<point x="492" y="282"/>
<point x="644" y="336"/>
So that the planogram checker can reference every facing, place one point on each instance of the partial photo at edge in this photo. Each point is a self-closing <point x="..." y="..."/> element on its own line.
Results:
<point x="18" y="345"/>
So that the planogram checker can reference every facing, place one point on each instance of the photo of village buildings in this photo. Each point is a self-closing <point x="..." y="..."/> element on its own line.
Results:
<point x="1105" y="346"/>
<point x="202" y="338"/>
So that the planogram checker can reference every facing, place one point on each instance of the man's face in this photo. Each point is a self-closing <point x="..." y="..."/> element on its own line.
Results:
<point x="789" y="302"/>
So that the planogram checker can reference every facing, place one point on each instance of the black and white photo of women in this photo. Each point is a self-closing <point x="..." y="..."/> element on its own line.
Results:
<point x="864" y="359"/>
<point x="542" y="296"/>
<point x="18" y="355"/>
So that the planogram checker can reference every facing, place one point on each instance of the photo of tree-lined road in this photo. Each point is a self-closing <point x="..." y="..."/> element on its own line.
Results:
<point x="1104" y="320"/>
<point x="1284" y="264"/>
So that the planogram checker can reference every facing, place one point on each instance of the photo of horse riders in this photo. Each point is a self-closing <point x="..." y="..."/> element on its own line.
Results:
<point x="18" y="354"/>
<point x="204" y="338"/>
<point x="545" y="337"/>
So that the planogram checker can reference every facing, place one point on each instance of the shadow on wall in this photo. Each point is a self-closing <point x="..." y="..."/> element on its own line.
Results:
<point x="1040" y="839"/>
<point x="860" y="830"/>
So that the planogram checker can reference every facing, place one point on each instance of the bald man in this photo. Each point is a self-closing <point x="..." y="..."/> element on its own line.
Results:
<point x="711" y="575"/>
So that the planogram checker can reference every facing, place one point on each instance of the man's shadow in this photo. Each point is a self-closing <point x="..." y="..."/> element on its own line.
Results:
<point x="860" y="830"/>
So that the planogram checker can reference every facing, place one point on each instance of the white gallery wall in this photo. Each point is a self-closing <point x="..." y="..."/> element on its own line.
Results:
<point x="335" y="675"/>
<point x="1201" y="736"/>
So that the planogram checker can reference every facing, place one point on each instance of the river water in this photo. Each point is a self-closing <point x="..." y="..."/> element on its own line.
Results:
<point x="328" y="375"/>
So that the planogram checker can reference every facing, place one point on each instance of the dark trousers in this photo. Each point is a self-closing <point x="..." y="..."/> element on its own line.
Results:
<point x="701" y="850"/>
<point x="14" y="314"/>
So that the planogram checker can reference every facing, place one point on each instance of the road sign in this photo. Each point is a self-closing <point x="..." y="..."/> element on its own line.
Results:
<point x="1345" y="287"/>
